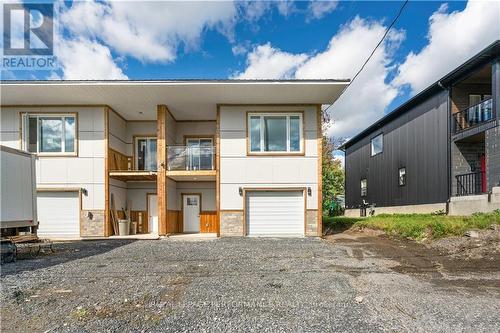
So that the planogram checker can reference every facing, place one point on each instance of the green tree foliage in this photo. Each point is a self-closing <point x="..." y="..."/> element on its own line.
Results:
<point x="333" y="172"/>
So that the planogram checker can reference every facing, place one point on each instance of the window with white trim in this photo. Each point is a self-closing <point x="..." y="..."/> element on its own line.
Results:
<point x="402" y="176"/>
<point x="377" y="144"/>
<point x="49" y="134"/>
<point x="364" y="187"/>
<point x="275" y="132"/>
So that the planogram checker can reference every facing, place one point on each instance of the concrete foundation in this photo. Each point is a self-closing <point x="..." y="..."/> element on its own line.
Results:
<point x="408" y="209"/>
<point x="468" y="205"/>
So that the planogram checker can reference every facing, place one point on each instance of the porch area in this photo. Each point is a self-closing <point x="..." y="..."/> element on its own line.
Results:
<point x="472" y="107"/>
<point x="162" y="174"/>
<point x="474" y="133"/>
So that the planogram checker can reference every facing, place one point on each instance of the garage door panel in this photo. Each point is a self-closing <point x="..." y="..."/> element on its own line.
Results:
<point x="276" y="213"/>
<point x="58" y="214"/>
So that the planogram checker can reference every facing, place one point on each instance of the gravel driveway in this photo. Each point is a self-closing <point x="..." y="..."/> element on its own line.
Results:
<point x="242" y="284"/>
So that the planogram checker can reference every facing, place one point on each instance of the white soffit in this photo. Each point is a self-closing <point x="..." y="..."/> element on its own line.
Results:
<point x="186" y="100"/>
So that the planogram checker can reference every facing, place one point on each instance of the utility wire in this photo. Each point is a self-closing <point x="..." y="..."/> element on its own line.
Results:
<point x="371" y="54"/>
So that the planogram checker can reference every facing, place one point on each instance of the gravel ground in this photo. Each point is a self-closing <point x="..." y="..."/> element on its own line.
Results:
<point x="352" y="284"/>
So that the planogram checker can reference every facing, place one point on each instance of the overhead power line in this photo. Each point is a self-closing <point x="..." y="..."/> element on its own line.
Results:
<point x="373" y="52"/>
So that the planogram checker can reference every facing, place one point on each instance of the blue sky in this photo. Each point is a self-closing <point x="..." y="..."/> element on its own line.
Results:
<point x="158" y="40"/>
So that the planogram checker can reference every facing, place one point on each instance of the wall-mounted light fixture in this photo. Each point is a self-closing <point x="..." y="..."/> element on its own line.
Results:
<point x="309" y="191"/>
<point x="240" y="191"/>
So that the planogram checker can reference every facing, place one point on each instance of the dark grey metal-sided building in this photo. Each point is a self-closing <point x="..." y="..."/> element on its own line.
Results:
<point x="434" y="151"/>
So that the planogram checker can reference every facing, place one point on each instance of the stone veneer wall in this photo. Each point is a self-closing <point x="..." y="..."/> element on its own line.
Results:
<point x="465" y="157"/>
<point x="311" y="223"/>
<point x="92" y="227"/>
<point x="231" y="223"/>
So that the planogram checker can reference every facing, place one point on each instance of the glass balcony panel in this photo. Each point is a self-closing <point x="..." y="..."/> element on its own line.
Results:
<point x="474" y="115"/>
<point x="191" y="157"/>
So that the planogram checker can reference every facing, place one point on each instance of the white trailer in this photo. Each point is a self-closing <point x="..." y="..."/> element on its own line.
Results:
<point x="17" y="191"/>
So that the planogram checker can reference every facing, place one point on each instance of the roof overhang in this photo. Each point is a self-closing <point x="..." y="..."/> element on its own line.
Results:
<point x="185" y="99"/>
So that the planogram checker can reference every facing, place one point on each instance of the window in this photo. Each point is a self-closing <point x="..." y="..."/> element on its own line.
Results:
<point x="377" y="144"/>
<point x="199" y="154"/>
<point x="475" y="99"/>
<point x="50" y="134"/>
<point x="275" y="132"/>
<point x="364" y="187"/>
<point x="402" y="176"/>
<point x="145" y="155"/>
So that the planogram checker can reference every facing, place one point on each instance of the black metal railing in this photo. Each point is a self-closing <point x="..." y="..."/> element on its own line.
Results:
<point x="190" y="157"/>
<point x="474" y="115"/>
<point x="470" y="183"/>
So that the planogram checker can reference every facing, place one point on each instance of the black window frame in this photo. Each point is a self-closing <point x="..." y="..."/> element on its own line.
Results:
<point x="364" y="191"/>
<point x="399" y="177"/>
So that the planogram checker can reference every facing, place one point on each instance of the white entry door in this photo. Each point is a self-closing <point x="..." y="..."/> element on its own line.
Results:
<point x="58" y="214"/>
<point x="153" y="213"/>
<point x="191" y="212"/>
<point x="275" y="213"/>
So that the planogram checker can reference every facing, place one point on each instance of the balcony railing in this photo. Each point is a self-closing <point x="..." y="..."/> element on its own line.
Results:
<point x="190" y="157"/>
<point x="470" y="183"/>
<point x="474" y="115"/>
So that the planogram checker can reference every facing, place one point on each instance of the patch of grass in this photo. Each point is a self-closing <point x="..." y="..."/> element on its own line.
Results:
<point x="417" y="226"/>
<point x="80" y="313"/>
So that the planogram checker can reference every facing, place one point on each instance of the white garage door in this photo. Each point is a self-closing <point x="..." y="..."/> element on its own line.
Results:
<point x="275" y="213"/>
<point x="58" y="214"/>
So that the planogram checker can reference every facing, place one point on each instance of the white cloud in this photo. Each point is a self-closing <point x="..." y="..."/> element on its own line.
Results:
<point x="320" y="8"/>
<point x="253" y="10"/>
<point x="86" y="60"/>
<point x="286" y="7"/>
<point x="241" y="48"/>
<point x="148" y="31"/>
<point x="366" y="99"/>
<point x="151" y="31"/>
<point x="369" y="95"/>
<point x="453" y="38"/>
<point x="266" y="62"/>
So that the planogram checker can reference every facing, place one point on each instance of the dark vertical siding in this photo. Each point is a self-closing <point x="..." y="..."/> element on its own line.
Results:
<point x="417" y="140"/>
<point x="495" y="83"/>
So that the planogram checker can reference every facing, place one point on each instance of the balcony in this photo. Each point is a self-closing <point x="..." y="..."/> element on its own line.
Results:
<point x="191" y="163"/>
<point x="474" y="115"/>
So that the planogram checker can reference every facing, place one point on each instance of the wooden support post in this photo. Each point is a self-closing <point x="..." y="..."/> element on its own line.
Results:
<point x="107" y="216"/>
<point x="217" y="168"/>
<point x="161" y="155"/>
<point x="319" y="119"/>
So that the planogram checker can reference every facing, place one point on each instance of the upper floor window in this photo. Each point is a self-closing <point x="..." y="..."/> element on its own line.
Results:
<point x="377" y="144"/>
<point x="364" y="187"/>
<point x="145" y="155"/>
<point x="50" y="134"/>
<point x="402" y="176"/>
<point x="475" y="99"/>
<point x="200" y="154"/>
<point x="275" y="132"/>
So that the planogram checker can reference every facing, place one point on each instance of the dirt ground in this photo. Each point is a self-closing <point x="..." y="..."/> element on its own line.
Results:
<point x="352" y="281"/>
<point x="436" y="259"/>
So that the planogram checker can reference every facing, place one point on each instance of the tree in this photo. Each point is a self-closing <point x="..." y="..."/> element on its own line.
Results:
<point x="333" y="172"/>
